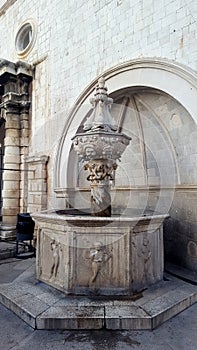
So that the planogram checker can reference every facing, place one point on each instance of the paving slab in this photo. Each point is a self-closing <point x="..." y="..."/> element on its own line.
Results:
<point x="43" y="307"/>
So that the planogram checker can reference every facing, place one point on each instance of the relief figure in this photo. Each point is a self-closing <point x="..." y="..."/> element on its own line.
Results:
<point x="99" y="256"/>
<point x="56" y="249"/>
<point x="145" y="267"/>
<point x="146" y="254"/>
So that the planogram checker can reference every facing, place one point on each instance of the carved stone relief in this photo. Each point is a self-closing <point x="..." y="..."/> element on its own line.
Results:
<point x="142" y="259"/>
<point x="146" y="256"/>
<point x="56" y="259"/>
<point x="103" y="257"/>
<point x="99" y="255"/>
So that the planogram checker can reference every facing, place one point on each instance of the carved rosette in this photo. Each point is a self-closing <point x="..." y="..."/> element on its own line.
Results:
<point x="100" y="145"/>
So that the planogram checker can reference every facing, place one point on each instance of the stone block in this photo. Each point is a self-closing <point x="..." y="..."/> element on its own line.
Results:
<point x="127" y="317"/>
<point x="11" y="185"/>
<point x="12" y="141"/>
<point x="12" y="150"/>
<point x="23" y="304"/>
<point x="13" y="133"/>
<point x="33" y="208"/>
<point x="10" y="176"/>
<point x="25" y="140"/>
<point x="163" y="308"/>
<point x="9" y="158"/>
<point x="9" y="214"/>
<point x="12" y="124"/>
<point x="6" y="193"/>
<point x="8" y="232"/>
<point x="10" y="203"/>
<point x="40" y="173"/>
<point x="25" y="124"/>
<point x="72" y="317"/>
<point x="18" y="311"/>
<point x="31" y="172"/>
<point x="37" y="185"/>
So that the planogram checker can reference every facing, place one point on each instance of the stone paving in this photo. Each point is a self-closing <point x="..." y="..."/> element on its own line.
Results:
<point x="177" y="334"/>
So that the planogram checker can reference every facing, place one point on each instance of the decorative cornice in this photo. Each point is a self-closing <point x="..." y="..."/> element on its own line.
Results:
<point x="18" y="69"/>
<point x="15" y="103"/>
<point x="177" y="188"/>
<point x="37" y="159"/>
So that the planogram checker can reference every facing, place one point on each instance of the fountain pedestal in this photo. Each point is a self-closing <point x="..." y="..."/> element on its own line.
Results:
<point x="99" y="147"/>
<point x="103" y="256"/>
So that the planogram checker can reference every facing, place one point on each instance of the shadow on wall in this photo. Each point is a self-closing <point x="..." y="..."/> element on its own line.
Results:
<point x="180" y="242"/>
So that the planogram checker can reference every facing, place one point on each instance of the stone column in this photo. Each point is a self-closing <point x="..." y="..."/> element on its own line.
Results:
<point x="14" y="81"/>
<point x="24" y="150"/>
<point x="11" y="173"/>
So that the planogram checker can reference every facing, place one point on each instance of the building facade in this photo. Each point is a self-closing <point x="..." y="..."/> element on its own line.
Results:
<point x="52" y="55"/>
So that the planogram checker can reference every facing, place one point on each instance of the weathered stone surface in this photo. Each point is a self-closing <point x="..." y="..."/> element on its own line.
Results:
<point x="47" y="308"/>
<point x="127" y="317"/>
<point x="135" y="33"/>
<point x="72" y="317"/>
<point x="104" y="256"/>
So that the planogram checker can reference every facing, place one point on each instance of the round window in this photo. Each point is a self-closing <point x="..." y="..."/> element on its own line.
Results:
<point x="25" y="38"/>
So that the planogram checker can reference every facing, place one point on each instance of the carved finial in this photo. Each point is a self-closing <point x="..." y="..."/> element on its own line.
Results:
<point x="101" y="119"/>
<point x="101" y="82"/>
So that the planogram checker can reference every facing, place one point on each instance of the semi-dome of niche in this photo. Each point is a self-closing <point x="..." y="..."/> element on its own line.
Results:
<point x="25" y="38"/>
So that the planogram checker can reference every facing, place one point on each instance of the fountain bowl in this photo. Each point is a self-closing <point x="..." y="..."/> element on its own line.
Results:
<point x="83" y="255"/>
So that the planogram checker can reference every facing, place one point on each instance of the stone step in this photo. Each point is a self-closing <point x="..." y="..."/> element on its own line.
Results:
<point x="7" y="249"/>
<point x="181" y="272"/>
<point x="44" y="307"/>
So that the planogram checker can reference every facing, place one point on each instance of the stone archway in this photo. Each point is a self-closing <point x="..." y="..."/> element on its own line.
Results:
<point x="180" y="85"/>
<point x="176" y="80"/>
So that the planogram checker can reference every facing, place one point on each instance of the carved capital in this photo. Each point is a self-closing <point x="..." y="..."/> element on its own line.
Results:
<point x="100" y="145"/>
<point x="13" y="103"/>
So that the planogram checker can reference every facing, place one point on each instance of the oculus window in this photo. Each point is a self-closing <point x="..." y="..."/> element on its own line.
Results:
<point x="25" y="38"/>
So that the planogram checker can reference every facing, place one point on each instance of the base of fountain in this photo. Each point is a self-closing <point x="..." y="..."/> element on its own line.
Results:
<point x="83" y="255"/>
<point x="43" y="307"/>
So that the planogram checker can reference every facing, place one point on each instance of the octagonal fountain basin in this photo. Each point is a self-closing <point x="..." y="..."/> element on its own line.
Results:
<point x="84" y="255"/>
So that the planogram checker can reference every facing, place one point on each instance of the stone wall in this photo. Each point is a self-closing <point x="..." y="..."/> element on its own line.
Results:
<point x="78" y="40"/>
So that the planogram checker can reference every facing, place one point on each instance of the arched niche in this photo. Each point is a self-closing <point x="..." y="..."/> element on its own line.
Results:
<point x="161" y="78"/>
<point x="173" y="112"/>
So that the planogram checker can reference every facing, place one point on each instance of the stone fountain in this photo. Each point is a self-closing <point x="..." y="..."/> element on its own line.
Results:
<point x="99" y="253"/>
